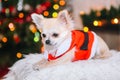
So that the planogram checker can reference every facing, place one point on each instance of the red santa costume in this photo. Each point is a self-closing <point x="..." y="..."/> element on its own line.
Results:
<point x="84" y="42"/>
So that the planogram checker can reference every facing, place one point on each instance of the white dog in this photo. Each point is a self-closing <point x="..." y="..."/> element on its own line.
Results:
<point x="62" y="44"/>
<point x="65" y="44"/>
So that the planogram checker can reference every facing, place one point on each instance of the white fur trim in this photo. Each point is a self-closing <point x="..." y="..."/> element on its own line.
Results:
<point x="94" y="46"/>
<point x="64" y="47"/>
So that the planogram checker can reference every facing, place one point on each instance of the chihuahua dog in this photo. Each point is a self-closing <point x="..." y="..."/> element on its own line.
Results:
<point x="63" y="43"/>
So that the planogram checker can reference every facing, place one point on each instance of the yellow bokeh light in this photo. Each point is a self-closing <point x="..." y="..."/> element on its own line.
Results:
<point x="62" y="2"/>
<point x="4" y="39"/>
<point x="11" y="26"/>
<point x="115" y="21"/>
<point x="46" y="13"/>
<point x="86" y="29"/>
<point x="19" y="55"/>
<point x="21" y="15"/>
<point x="95" y="23"/>
<point x="56" y="6"/>
<point x="55" y="14"/>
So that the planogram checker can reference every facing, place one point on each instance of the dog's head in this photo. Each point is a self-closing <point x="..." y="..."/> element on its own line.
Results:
<point x="53" y="30"/>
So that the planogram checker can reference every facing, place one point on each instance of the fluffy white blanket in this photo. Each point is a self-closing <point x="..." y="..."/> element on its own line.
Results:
<point x="98" y="69"/>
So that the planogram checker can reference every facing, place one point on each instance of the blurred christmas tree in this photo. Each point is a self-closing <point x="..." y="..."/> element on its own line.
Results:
<point x="18" y="35"/>
<point x="108" y="20"/>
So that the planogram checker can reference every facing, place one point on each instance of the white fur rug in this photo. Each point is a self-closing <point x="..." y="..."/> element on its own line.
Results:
<point x="107" y="69"/>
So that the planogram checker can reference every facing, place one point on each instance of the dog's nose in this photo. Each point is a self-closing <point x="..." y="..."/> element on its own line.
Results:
<point x="47" y="41"/>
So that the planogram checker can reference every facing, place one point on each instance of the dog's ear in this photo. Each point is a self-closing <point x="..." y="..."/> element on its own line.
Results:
<point x="63" y="16"/>
<point x="37" y="19"/>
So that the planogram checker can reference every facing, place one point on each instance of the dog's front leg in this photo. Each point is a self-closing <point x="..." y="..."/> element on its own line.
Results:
<point x="44" y="63"/>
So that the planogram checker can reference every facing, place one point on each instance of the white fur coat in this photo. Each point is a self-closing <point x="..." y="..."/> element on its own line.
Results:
<point x="98" y="69"/>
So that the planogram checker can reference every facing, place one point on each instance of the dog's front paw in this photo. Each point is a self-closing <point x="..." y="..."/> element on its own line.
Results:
<point x="36" y="67"/>
<point x="39" y="65"/>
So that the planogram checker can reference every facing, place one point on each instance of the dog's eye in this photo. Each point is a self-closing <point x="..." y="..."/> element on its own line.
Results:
<point x="55" y="35"/>
<point x="44" y="35"/>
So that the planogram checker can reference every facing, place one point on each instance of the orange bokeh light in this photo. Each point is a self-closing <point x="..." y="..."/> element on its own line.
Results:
<point x="21" y="15"/>
<point x="62" y="2"/>
<point x="4" y="39"/>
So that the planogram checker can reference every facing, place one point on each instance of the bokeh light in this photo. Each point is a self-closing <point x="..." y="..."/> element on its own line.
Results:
<point x="46" y="13"/>
<point x="82" y="12"/>
<point x="56" y="6"/>
<point x="62" y="2"/>
<point x="32" y="28"/>
<point x="54" y="14"/>
<point x="85" y="29"/>
<point x="21" y="15"/>
<point x="11" y="26"/>
<point x="4" y="39"/>
<point x="115" y="21"/>
<point x="36" y="37"/>
<point x="95" y="23"/>
<point x="19" y="55"/>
